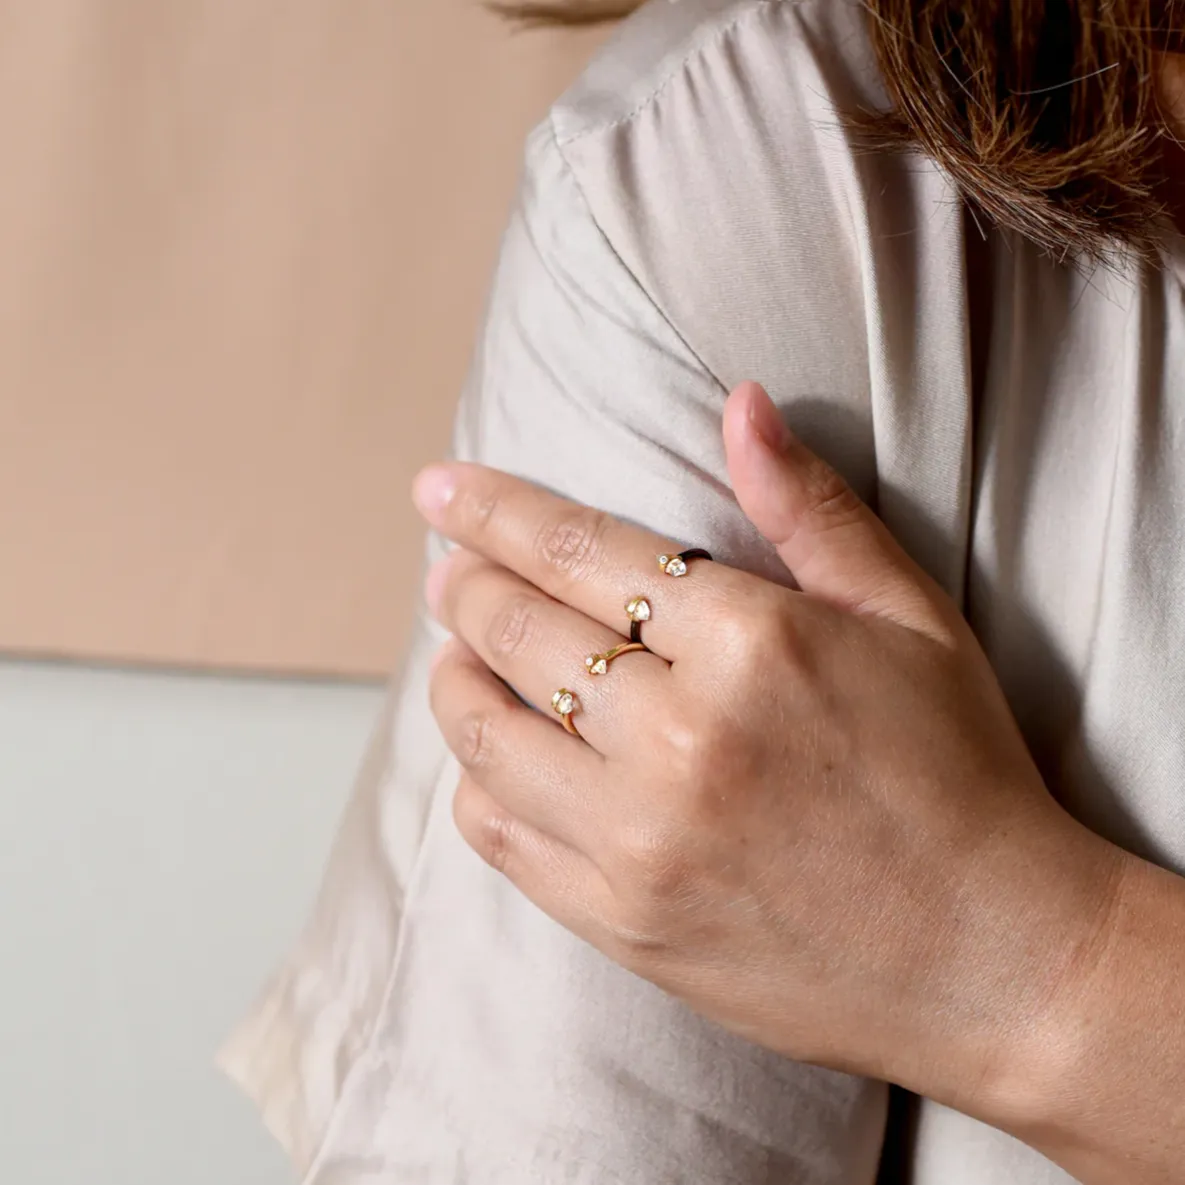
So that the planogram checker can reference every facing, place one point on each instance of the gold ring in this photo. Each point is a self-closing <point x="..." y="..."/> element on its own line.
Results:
<point x="639" y="612"/>
<point x="598" y="664"/>
<point x="676" y="564"/>
<point x="565" y="704"/>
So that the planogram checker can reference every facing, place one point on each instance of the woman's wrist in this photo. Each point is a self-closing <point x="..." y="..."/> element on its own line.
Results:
<point x="1075" y="903"/>
<point x="1090" y="1067"/>
<point x="1003" y="1008"/>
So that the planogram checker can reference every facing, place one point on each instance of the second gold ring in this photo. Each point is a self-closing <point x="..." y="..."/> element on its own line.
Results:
<point x="598" y="664"/>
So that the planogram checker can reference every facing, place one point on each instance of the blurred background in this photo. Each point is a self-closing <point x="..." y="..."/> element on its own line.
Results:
<point x="243" y="249"/>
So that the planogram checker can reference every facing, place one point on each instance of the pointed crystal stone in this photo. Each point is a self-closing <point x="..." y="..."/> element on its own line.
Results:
<point x="638" y="609"/>
<point x="599" y="667"/>
<point x="676" y="566"/>
<point x="564" y="703"/>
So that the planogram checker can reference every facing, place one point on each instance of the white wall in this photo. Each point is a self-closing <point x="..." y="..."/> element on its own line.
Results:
<point x="161" y="838"/>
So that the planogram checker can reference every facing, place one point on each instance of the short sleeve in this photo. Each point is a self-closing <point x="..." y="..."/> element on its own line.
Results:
<point x="434" y="1025"/>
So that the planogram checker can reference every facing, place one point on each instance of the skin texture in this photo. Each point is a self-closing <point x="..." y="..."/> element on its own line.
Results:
<point x="809" y="814"/>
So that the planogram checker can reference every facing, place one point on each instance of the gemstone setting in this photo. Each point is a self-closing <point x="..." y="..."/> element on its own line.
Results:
<point x="598" y="664"/>
<point x="673" y="565"/>
<point x="638" y="609"/>
<point x="564" y="702"/>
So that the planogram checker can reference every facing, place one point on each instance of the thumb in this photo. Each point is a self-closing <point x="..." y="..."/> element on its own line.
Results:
<point x="836" y="548"/>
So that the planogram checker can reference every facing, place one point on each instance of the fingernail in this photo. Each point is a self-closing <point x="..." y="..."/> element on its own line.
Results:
<point x="434" y="584"/>
<point x="768" y="424"/>
<point x="433" y="490"/>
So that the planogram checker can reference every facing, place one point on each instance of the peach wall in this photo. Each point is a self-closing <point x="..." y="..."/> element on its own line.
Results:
<point x="243" y="246"/>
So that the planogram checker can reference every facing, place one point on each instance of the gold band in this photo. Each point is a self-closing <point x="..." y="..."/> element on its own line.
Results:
<point x="565" y="704"/>
<point x="598" y="664"/>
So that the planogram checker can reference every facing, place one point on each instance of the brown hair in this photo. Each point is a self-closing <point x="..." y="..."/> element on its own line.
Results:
<point x="1043" y="112"/>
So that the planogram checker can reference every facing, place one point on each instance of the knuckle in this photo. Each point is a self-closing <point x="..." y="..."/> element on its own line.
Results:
<point x="766" y="633"/>
<point x="495" y="840"/>
<point x="682" y="745"/>
<point x="512" y="628"/>
<point x="656" y="868"/>
<point x="572" y="545"/>
<point x="745" y="639"/>
<point x="829" y="498"/>
<point x="786" y="641"/>
<point x="690" y="749"/>
<point x="488" y="833"/>
<point x="637" y="938"/>
<point x="475" y="740"/>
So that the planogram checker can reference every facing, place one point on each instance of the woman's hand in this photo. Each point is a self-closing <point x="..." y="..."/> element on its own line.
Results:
<point x="809" y="814"/>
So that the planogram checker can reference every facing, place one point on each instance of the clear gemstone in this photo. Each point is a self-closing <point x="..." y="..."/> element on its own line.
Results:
<point x="676" y="567"/>
<point x="564" y="702"/>
<point x="663" y="560"/>
<point x="639" y="610"/>
<point x="599" y="667"/>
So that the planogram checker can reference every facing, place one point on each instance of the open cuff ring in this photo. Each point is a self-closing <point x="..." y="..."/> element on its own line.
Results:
<point x="598" y="664"/>
<point x="676" y="565"/>
<point x="565" y="704"/>
<point x="638" y="610"/>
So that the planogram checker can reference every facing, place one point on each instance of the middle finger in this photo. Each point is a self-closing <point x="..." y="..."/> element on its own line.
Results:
<point x="539" y="645"/>
<point x="581" y="556"/>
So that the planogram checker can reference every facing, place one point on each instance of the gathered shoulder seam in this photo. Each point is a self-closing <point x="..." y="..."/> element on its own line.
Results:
<point x="695" y="50"/>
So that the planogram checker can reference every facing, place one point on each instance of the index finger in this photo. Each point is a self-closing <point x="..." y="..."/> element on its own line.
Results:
<point x="580" y="555"/>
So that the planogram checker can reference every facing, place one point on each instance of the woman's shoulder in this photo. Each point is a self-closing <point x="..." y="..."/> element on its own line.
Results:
<point x="666" y="43"/>
<point x="708" y="144"/>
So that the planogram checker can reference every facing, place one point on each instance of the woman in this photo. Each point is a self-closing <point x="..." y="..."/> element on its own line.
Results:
<point x="845" y="839"/>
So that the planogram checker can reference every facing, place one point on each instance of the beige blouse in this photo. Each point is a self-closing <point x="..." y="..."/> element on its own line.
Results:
<point x="692" y="214"/>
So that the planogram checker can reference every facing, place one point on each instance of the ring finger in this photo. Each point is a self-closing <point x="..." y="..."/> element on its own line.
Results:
<point x="539" y="645"/>
<point x="539" y="776"/>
